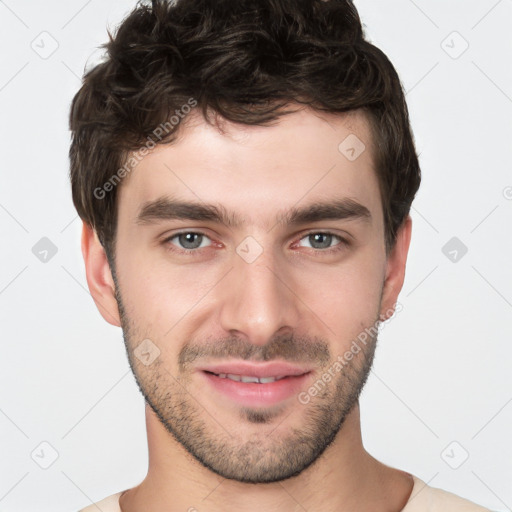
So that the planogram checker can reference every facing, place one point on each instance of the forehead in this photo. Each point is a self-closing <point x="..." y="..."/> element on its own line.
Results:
<point x="257" y="170"/>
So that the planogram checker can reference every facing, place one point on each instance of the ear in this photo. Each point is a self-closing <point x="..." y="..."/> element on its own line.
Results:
<point x="395" y="269"/>
<point x="99" y="277"/>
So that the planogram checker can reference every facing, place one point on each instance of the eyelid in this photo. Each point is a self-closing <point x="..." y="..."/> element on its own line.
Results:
<point x="167" y="241"/>
<point x="343" y="241"/>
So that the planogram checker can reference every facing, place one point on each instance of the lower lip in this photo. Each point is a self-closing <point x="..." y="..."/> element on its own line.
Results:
<point x="254" y="394"/>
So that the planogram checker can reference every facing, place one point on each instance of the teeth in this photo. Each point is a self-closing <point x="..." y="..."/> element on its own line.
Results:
<point x="249" y="378"/>
<point x="265" y="380"/>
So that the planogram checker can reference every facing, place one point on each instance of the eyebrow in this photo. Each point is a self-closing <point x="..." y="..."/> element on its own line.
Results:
<point x="163" y="209"/>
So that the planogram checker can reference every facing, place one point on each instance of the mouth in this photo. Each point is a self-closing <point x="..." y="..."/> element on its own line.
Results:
<point x="256" y="385"/>
<point x="248" y="378"/>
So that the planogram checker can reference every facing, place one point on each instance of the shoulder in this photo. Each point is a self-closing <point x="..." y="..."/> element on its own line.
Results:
<point x="430" y="499"/>
<point x="109" y="504"/>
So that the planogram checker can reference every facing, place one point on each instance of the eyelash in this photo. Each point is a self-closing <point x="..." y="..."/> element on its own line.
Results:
<point x="343" y="243"/>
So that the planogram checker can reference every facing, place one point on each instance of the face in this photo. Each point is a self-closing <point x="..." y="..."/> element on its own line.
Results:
<point x="248" y="263"/>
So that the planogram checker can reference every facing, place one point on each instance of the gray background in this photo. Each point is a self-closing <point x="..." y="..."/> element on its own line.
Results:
<point x="439" y="400"/>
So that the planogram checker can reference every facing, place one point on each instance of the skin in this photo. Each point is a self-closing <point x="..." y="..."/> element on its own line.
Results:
<point x="218" y="304"/>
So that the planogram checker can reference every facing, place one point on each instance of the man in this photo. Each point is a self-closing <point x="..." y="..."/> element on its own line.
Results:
<point x="244" y="171"/>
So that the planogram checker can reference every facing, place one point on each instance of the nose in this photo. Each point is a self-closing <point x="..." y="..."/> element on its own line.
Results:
<point x="258" y="301"/>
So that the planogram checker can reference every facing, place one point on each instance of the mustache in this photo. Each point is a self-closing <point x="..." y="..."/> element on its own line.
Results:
<point x="300" y="349"/>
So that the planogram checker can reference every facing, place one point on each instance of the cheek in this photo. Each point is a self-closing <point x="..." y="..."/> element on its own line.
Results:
<point x="157" y="295"/>
<point x="168" y="300"/>
<point x="348" y="301"/>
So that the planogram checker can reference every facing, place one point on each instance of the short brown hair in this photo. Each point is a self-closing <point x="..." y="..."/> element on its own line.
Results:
<point x="244" y="60"/>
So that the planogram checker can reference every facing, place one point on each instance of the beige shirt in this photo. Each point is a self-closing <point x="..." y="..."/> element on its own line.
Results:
<point x="423" y="499"/>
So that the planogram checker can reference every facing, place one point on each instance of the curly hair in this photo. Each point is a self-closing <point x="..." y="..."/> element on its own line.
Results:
<point x="243" y="60"/>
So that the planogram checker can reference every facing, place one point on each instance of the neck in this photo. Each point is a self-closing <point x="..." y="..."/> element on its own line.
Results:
<point x="345" y="478"/>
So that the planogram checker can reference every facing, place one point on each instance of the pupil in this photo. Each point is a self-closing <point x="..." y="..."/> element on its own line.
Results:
<point x="321" y="238"/>
<point x="187" y="240"/>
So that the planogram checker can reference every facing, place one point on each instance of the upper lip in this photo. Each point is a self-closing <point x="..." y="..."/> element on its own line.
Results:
<point x="268" y="369"/>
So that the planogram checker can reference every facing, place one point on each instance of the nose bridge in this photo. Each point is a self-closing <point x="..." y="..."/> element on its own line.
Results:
<point x="256" y="302"/>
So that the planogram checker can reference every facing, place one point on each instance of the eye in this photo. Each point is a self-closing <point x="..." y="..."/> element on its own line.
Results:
<point x="189" y="240"/>
<point x="322" y="240"/>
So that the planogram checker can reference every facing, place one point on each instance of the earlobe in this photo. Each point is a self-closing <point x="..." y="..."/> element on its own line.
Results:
<point x="395" y="269"/>
<point x="99" y="276"/>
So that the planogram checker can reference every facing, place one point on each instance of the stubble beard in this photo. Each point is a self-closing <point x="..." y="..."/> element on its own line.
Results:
<point x="267" y="455"/>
